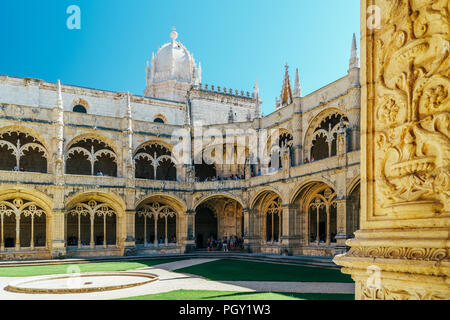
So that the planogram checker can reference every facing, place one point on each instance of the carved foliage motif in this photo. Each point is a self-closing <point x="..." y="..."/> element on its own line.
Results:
<point x="424" y="254"/>
<point x="412" y="104"/>
<point x="386" y="293"/>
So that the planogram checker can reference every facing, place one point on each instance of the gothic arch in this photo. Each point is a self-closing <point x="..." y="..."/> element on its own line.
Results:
<point x="89" y="154"/>
<point x="25" y="219"/>
<point x="42" y="200"/>
<point x="22" y="148"/>
<point x="94" y="219"/>
<point x="157" y="221"/>
<point x="218" y="195"/>
<point x="154" y="161"/>
<point x="161" y="142"/>
<point x="315" y="131"/>
<point x="177" y="203"/>
<point x="353" y="184"/>
<point x="93" y="136"/>
<point x="256" y="196"/>
<point x="29" y="131"/>
<point x="266" y="220"/>
<point x="316" y="180"/>
<point x="113" y="200"/>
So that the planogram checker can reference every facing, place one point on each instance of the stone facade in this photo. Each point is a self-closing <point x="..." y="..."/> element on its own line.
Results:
<point x="87" y="172"/>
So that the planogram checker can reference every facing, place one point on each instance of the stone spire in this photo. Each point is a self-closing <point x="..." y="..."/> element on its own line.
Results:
<point x="297" y="88"/>
<point x="199" y="73"/>
<point x="59" y="101"/>
<point x="187" y="116"/>
<point x="128" y="113"/>
<point x="128" y="147"/>
<point x="59" y="136"/>
<point x="354" y="60"/>
<point x="257" y="101"/>
<point x="286" y="92"/>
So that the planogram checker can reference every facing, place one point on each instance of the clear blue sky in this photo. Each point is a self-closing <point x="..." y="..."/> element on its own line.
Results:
<point x="236" y="41"/>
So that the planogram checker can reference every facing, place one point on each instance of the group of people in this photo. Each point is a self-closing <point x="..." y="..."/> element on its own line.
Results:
<point x="307" y="160"/>
<point x="225" y="244"/>
<point x="214" y="178"/>
<point x="16" y="169"/>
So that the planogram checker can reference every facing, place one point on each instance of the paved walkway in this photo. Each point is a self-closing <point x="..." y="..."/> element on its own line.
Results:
<point x="169" y="281"/>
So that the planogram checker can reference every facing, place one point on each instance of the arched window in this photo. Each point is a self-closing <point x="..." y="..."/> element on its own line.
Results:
<point x="323" y="217"/>
<point x="23" y="224"/>
<point x="90" y="156"/>
<point x="281" y="144"/>
<point x="79" y="109"/>
<point x="158" y="120"/>
<point x="155" y="162"/>
<point x="273" y="221"/>
<point x="21" y="151"/>
<point x="323" y="143"/>
<point x="91" y="224"/>
<point x="156" y="224"/>
<point x="353" y="208"/>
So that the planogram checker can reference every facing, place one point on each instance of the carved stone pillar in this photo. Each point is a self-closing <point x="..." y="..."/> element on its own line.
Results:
<point x="289" y="239"/>
<point x="341" y="209"/>
<point x="17" y="245"/>
<point x="401" y="251"/>
<point x="250" y="222"/>
<point x="190" y="231"/>
<point x="57" y="230"/>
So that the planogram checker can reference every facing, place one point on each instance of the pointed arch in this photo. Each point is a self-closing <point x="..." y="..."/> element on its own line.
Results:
<point x="91" y="154"/>
<point x="21" y="149"/>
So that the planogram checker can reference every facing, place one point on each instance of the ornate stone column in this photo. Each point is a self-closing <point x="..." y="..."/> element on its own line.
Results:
<point x="57" y="221"/>
<point x="190" y="231"/>
<point x="341" y="219"/>
<point x="17" y="247"/>
<point x="290" y="238"/>
<point x="2" y="235"/>
<point x="402" y="251"/>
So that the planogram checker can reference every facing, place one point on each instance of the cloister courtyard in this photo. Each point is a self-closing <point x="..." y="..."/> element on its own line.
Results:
<point x="179" y="278"/>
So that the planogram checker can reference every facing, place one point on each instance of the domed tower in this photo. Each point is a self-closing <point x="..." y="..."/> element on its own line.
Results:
<point x="172" y="71"/>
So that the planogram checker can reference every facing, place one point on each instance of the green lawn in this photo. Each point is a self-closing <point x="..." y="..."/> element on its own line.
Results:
<point x="238" y="270"/>
<point x="84" y="267"/>
<point x="234" y="295"/>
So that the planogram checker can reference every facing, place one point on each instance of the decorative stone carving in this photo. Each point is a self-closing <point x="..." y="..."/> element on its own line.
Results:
<point x="413" y="109"/>
<point x="405" y="154"/>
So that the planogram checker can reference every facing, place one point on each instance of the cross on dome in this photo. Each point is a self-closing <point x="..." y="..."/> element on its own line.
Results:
<point x="174" y="34"/>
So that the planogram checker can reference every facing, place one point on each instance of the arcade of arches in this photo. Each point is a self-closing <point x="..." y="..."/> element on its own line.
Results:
<point x="100" y="226"/>
<point x="96" y="224"/>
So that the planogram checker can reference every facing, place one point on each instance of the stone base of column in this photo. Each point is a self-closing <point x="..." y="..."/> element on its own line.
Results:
<point x="129" y="247"/>
<point x="341" y="239"/>
<point x="251" y="245"/>
<point x="189" y="246"/>
<point x="407" y="265"/>
<point x="58" y="249"/>
<point x="289" y="244"/>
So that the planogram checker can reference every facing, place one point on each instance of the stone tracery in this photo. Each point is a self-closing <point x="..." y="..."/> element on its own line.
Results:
<point x="100" y="218"/>
<point x="20" y="150"/>
<point x="160" y="215"/>
<point x="13" y="214"/>
<point x="91" y="156"/>
<point x="155" y="162"/>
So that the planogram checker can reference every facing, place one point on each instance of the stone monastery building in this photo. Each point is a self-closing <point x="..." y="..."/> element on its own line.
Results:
<point x="86" y="172"/>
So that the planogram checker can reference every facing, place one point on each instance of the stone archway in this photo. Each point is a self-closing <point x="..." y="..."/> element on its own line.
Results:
<point x="88" y="155"/>
<point x="218" y="217"/>
<point x="206" y="226"/>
